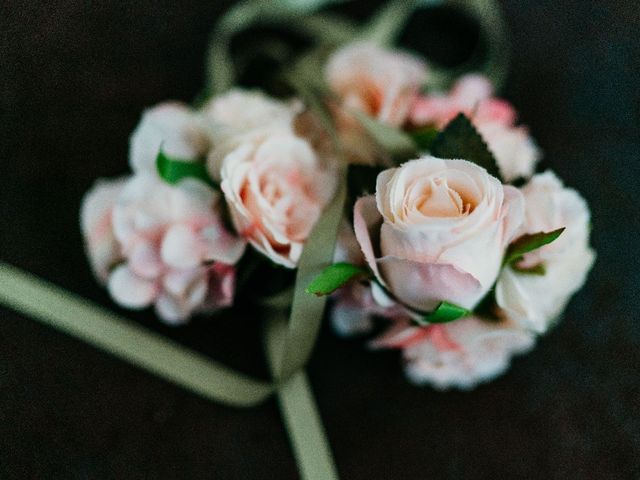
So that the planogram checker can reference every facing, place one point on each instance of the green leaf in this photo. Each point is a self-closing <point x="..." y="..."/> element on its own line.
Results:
<point x="528" y="243"/>
<point x="538" y="269"/>
<point x="172" y="170"/>
<point x="424" y="137"/>
<point x="445" y="312"/>
<point x="333" y="277"/>
<point x="460" y="139"/>
<point x="398" y="143"/>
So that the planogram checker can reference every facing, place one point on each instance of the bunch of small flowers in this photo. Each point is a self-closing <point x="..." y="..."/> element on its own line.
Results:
<point x="449" y="239"/>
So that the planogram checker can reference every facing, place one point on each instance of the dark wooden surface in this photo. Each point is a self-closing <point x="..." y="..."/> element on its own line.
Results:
<point x="74" y="77"/>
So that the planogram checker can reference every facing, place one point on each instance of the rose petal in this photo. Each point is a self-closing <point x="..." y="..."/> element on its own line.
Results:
<point x="424" y="285"/>
<point x="366" y="221"/>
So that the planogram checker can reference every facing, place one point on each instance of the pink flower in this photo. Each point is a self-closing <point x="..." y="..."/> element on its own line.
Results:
<point x="436" y="230"/>
<point x="173" y="248"/>
<point x="382" y="83"/>
<point x="459" y="354"/>
<point x="512" y="146"/>
<point x="276" y="189"/>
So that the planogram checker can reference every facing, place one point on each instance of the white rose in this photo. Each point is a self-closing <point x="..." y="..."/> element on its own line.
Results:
<point x="174" y="127"/>
<point x="380" y="82"/>
<point x="244" y="116"/>
<point x="535" y="301"/>
<point x="276" y="190"/>
<point x="436" y="230"/>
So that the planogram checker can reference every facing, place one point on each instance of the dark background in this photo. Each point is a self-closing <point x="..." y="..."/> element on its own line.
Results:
<point x="74" y="78"/>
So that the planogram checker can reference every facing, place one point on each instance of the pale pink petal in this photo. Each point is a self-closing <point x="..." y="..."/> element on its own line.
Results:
<point x="130" y="290"/>
<point x="366" y="222"/>
<point x="471" y="89"/>
<point x="514" y="212"/>
<point x="401" y="335"/>
<point x="144" y="259"/>
<point x="181" y="247"/>
<point x="220" y="245"/>
<point x="423" y="285"/>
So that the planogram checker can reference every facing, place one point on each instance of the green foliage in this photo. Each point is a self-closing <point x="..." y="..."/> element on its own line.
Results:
<point x="333" y="277"/>
<point x="424" y="137"/>
<point x="445" y="312"/>
<point x="461" y="140"/>
<point x="529" y="242"/>
<point x="172" y="170"/>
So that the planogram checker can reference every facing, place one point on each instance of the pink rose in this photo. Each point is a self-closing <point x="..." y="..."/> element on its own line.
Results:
<point x="382" y="83"/>
<point x="437" y="230"/>
<point x="169" y="245"/>
<point x="512" y="146"/>
<point x="276" y="190"/>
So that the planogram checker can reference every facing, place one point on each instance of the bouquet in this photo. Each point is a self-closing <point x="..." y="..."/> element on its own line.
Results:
<point x="407" y="200"/>
<point x="449" y="240"/>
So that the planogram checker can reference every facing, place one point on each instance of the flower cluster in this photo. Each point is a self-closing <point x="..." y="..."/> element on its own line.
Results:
<point x="170" y="243"/>
<point x="459" y="249"/>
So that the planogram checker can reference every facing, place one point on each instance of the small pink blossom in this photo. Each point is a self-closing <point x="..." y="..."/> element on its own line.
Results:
<point x="380" y="82"/>
<point x="460" y="354"/>
<point x="495" y="119"/>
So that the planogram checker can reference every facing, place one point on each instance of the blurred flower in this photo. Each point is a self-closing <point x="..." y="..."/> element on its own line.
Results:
<point x="379" y="82"/>
<point x="534" y="301"/>
<point x="459" y="354"/>
<point x="172" y="247"/>
<point x="172" y="126"/>
<point x="513" y="148"/>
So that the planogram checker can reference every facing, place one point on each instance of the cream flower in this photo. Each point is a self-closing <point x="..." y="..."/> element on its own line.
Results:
<point x="436" y="230"/>
<point x="276" y="190"/>
<point x="459" y="354"/>
<point x="244" y="116"/>
<point x="382" y="83"/>
<point x="535" y="301"/>
<point x="513" y="148"/>
<point x="169" y="242"/>
<point x="174" y="127"/>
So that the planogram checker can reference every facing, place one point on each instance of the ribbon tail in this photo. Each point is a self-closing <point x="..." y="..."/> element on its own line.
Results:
<point x="75" y="316"/>
<point x="300" y="412"/>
